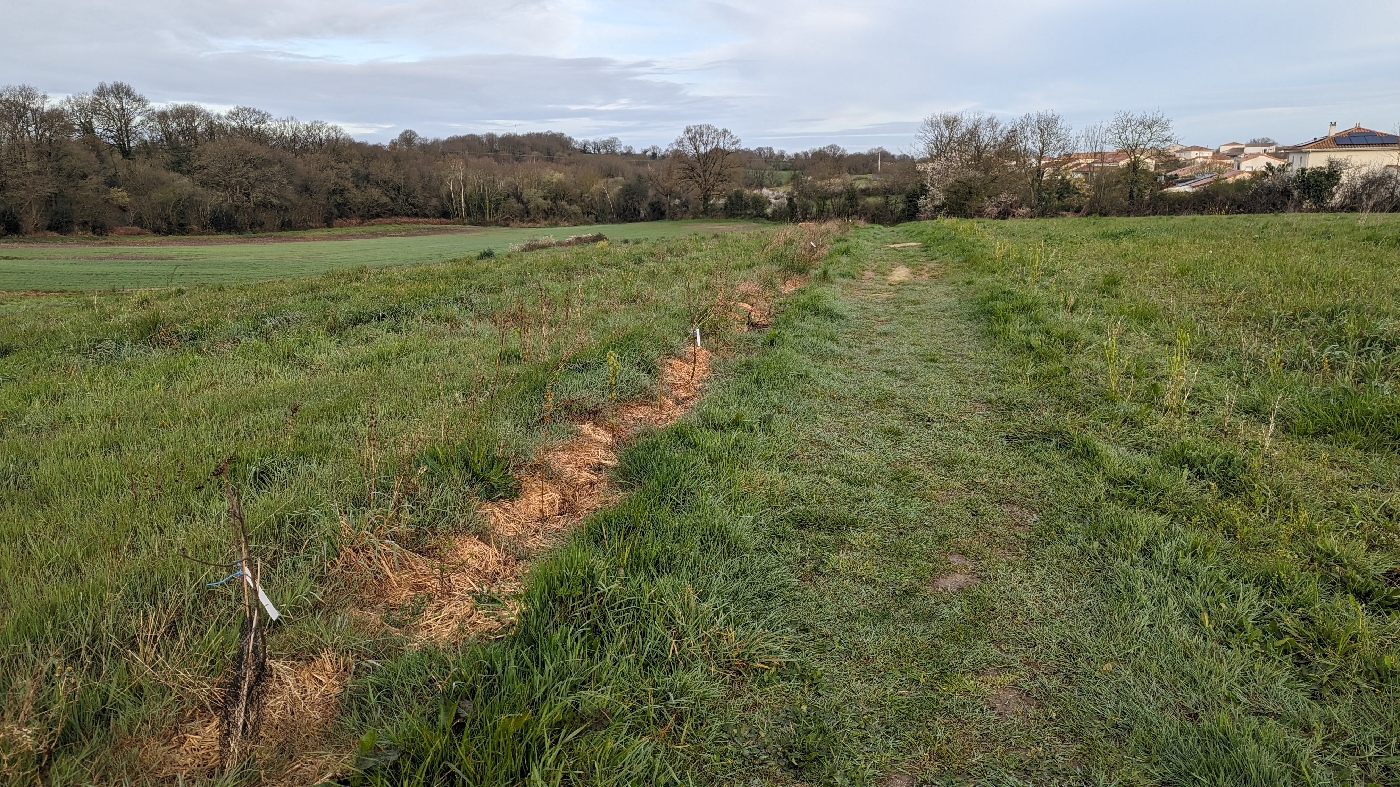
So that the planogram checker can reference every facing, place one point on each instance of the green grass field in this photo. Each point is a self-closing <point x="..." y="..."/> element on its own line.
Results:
<point x="130" y="263"/>
<point x="1073" y="501"/>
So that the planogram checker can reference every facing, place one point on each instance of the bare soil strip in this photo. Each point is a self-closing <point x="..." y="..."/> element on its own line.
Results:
<point x="561" y="487"/>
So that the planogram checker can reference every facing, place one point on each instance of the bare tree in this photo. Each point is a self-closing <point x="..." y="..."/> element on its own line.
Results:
<point x="1041" y="138"/>
<point x="250" y="123"/>
<point x="31" y="130"/>
<point x="177" y="130"/>
<point x="971" y="162"/>
<point x="117" y="112"/>
<point x="702" y="154"/>
<point x="246" y="174"/>
<point x="1141" y="138"/>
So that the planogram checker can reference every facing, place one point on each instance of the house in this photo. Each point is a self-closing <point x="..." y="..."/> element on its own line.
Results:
<point x="1254" y="150"/>
<point x="1192" y="153"/>
<point x="1205" y="179"/>
<point x="1258" y="162"/>
<point x="1081" y="165"/>
<point x="1355" y="148"/>
<point x="1212" y="163"/>
<point x="1194" y="184"/>
<point x="1187" y="171"/>
<point x="1231" y="149"/>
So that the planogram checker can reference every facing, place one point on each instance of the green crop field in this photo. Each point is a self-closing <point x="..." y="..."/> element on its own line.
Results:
<point x="130" y="263"/>
<point x="1068" y="501"/>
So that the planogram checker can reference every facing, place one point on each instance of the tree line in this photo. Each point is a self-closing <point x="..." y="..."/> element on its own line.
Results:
<point x="112" y="161"/>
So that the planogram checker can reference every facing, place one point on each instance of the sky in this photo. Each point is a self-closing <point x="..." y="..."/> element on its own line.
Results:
<point x="792" y="74"/>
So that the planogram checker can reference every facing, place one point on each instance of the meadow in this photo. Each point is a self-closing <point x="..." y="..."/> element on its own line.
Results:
<point x="145" y="262"/>
<point x="1053" y="501"/>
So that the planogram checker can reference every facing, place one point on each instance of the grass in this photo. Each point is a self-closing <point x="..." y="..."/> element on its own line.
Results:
<point x="130" y="263"/>
<point x="323" y="394"/>
<point x="1172" y="587"/>
<point x="1063" y="501"/>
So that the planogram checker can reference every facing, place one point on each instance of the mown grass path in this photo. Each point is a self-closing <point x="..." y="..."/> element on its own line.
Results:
<point x="1178" y="506"/>
<point x="919" y="610"/>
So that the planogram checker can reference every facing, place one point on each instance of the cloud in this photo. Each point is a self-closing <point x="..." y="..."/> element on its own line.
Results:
<point x="782" y="72"/>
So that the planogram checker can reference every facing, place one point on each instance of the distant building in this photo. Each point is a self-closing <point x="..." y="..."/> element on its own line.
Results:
<point x="1200" y="166"/>
<point x="1079" y="165"/>
<point x="1254" y="150"/>
<point x="1258" y="162"/>
<point x="1356" y="147"/>
<point x="1231" y="149"/>
<point x="1192" y="153"/>
<point x="1205" y="178"/>
<point x="1196" y="183"/>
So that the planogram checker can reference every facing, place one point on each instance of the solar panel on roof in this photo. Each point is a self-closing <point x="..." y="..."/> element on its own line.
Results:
<point x="1366" y="138"/>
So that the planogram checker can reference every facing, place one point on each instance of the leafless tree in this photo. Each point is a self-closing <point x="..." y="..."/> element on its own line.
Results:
<point x="1141" y="138"/>
<point x="248" y="175"/>
<point x="250" y="123"/>
<point x="31" y="129"/>
<point x="117" y="112"/>
<point x="176" y="130"/>
<point x="1041" y="138"/>
<point x="703" y="154"/>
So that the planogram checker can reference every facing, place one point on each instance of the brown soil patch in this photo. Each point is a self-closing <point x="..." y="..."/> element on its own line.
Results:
<point x="897" y="780"/>
<point x="959" y="560"/>
<point x="954" y="582"/>
<point x="1009" y="702"/>
<point x="903" y="245"/>
<point x="752" y="306"/>
<point x="1021" y="517"/>
<point x="300" y="702"/>
<point x="899" y="274"/>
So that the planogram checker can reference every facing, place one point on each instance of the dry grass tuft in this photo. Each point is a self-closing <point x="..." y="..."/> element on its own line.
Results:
<point x="301" y="702"/>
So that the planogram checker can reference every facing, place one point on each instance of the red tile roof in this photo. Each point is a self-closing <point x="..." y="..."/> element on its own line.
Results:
<point x="1330" y="141"/>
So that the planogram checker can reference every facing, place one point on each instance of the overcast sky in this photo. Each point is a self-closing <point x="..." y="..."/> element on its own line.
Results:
<point x="792" y="74"/>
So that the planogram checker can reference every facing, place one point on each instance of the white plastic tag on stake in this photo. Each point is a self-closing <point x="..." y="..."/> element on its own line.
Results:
<point x="697" y="337"/>
<point x="262" y="597"/>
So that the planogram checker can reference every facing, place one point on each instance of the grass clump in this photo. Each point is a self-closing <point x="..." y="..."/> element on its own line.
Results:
<point x="478" y="463"/>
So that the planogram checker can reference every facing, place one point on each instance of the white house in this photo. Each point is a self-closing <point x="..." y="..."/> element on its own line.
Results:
<point x="1358" y="148"/>
<point x="1192" y="153"/>
<point x="1254" y="150"/>
<point x="1258" y="162"/>
<point x="1231" y="149"/>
